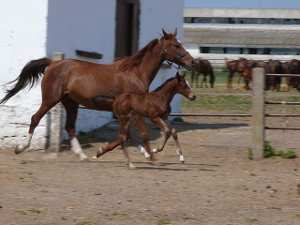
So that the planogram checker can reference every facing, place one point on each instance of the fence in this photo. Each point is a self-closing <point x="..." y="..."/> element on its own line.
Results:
<point x="258" y="113"/>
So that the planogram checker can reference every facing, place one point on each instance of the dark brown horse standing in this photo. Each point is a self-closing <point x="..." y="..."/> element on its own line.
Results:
<point x="154" y="105"/>
<point x="75" y="82"/>
<point x="202" y="66"/>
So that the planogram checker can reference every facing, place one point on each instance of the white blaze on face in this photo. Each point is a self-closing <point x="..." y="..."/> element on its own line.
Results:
<point x="188" y="84"/>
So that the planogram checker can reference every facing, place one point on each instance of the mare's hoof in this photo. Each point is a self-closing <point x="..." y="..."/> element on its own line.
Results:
<point x="83" y="158"/>
<point x="19" y="149"/>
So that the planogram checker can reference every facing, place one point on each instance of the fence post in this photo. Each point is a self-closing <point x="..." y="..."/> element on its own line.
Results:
<point x="258" y="113"/>
<point x="55" y="123"/>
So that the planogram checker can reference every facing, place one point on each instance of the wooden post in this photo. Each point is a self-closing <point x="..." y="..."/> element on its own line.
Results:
<point x="258" y="113"/>
<point x="55" y="123"/>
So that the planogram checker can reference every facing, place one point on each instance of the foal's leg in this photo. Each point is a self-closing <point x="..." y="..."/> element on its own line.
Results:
<point x="179" y="150"/>
<point x="165" y="129"/>
<point x="71" y="111"/>
<point x="35" y="119"/>
<point x="130" y="164"/>
<point x="140" y="124"/>
<point x="122" y="137"/>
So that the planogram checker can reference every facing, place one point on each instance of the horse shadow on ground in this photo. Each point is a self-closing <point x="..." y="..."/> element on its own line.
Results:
<point x="109" y="132"/>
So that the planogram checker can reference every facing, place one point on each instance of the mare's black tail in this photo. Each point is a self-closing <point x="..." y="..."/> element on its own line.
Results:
<point x="29" y="75"/>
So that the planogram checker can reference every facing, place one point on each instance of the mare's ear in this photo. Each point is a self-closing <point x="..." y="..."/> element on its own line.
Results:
<point x="164" y="32"/>
<point x="175" y="32"/>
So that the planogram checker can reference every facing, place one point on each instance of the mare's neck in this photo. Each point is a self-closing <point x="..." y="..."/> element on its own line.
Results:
<point x="150" y="65"/>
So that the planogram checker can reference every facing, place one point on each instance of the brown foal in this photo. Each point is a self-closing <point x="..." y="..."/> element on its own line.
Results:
<point x="73" y="82"/>
<point x="154" y="105"/>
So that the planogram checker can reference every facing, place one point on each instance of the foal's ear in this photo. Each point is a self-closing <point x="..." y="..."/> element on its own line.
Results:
<point x="164" y="32"/>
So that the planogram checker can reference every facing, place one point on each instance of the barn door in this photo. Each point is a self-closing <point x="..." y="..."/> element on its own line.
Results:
<point x="127" y="27"/>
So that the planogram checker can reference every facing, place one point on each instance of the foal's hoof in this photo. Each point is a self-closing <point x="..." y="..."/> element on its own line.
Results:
<point x="181" y="159"/>
<point x="19" y="149"/>
<point x="100" y="152"/>
<point x="131" y="166"/>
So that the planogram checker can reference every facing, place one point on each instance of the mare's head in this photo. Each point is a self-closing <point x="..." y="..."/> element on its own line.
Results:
<point x="173" y="51"/>
<point x="183" y="87"/>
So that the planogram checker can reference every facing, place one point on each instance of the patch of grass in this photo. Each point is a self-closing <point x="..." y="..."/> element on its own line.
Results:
<point x="84" y="223"/>
<point x="250" y="154"/>
<point x="29" y="211"/>
<point x="220" y="103"/>
<point x="164" y="221"/>
<point x="251" y="220"/>
<point x="270" y="151"/>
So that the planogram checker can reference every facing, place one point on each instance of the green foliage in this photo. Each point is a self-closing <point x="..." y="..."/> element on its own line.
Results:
<point x="289" y="154"/>
<point x="164" y="221"/>
<point x="250" y="154"/>
<point x="270" y="151"/>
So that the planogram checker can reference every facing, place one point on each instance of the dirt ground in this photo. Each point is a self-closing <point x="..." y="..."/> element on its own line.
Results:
<point x="218" y="184"/>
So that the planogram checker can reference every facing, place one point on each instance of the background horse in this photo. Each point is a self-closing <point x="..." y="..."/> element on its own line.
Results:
<point x="240" y="66"/>
<point x="202" y="66"/>
<point x="154" y="105"/>
<point x="73" y="82"/>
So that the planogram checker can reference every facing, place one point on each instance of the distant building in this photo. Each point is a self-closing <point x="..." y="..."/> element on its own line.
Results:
<point x="233" y="29"/>
<point x="34" y="29"/>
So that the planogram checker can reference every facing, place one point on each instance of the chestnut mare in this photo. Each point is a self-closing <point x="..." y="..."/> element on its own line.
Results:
<point x="73" y="82"/>
<point x="154" y="105"/>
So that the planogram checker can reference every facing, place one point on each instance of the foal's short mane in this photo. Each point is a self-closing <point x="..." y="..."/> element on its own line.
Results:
<point x="132" y="61"/>
<point x="164" y="84"/>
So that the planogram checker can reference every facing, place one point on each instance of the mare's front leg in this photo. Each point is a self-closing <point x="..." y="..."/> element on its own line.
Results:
<point x="165" y="129"/>
<point x="178" y="150"/>
<point x="72" y="111"/>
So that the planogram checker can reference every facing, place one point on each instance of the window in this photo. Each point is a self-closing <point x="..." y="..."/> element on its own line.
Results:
<point x="241" y="50"/>
<point x="231" y="20"/>
<point x="127" y="27"/>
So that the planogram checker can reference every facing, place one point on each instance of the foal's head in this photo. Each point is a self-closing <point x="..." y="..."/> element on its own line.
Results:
<point x="172" y="50"/>
<point x="183" y="88"/>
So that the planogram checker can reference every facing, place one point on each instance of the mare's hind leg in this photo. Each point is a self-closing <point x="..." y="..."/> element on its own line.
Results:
<point x="35" y="119"/>
<point x="72" y="111"/>
<point x="179" y="149"/>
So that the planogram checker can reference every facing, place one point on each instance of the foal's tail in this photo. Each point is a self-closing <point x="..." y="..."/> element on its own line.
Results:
<point x="29" y="75"/>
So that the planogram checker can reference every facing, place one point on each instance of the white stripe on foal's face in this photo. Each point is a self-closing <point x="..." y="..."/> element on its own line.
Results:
<point x="188" y="84"/>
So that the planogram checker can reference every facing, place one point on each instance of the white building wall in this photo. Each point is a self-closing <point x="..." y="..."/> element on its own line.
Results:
<point x="38" y="28"/>
<point x="23" y="31"/>
<point x="83" y="25"/>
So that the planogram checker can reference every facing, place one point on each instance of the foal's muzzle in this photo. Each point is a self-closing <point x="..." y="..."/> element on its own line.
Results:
<point x="192" y="97"/>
